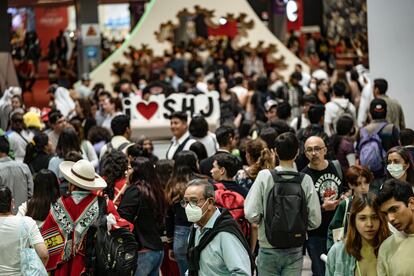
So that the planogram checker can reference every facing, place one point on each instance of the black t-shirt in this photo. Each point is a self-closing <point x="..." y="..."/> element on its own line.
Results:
<point x="229" y="109"/>
<point x="327" y="183"/>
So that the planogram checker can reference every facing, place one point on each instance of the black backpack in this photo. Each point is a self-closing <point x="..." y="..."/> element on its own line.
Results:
<point x="110" y="147"/>
<point x="114" y="252"/>
<point x="286" y="217"/>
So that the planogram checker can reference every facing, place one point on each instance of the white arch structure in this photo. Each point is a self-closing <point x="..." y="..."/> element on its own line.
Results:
<point x="162" y="11"/>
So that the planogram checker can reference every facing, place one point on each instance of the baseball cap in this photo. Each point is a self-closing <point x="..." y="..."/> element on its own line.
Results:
<point x="378" y="106"/>
<point x="85" y="77"/>
<point x="269" y="104"/>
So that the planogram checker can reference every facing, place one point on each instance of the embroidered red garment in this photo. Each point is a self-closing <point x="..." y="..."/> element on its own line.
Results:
<point x="60" y="245"/>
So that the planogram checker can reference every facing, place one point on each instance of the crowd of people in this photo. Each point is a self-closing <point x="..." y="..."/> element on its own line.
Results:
<point x="320" y="163"/>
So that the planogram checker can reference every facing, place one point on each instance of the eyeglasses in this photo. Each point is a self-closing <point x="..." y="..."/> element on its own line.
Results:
<point x="193" y="203"/>
<point x="315" y="149"/>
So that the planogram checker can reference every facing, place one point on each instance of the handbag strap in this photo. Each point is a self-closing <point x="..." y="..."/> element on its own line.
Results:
<point x="346" y="212"/>
<point x="120" y="192"/>
<point x="338" y="168"/>
<point x="27" y="142"/>
<point x="22" y="234"/>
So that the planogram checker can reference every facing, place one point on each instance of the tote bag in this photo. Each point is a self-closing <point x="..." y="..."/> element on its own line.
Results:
<point x="30" y="263"/>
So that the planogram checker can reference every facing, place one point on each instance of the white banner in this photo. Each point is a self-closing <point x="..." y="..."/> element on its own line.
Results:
<point x="151" y="118"/>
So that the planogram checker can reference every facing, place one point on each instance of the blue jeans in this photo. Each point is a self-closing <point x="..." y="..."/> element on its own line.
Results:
<point x="283" y="262"/>
<point x="316" y="246"/>
<point x="180" y="245"/>
<point x="149" y="263"/>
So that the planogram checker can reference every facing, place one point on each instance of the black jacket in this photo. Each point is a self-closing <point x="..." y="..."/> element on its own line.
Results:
<point x="224" y="223"/>
<point x="136" y="209"/>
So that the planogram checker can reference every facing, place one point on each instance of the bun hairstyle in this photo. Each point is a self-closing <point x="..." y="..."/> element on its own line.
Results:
<point x="5" y="199"/>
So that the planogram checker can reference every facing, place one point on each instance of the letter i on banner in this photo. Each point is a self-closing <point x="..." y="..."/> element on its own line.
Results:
<point x="127" y="107"/>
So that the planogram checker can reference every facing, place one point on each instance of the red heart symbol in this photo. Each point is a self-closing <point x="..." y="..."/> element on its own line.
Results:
<point x="147" y="110"/>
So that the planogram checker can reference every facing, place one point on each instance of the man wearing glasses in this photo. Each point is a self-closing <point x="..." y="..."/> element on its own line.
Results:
<point x="327" y="178"/>
<point x="216" y="244"/>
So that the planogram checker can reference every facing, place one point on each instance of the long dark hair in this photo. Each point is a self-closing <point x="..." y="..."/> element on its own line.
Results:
<point x="85" y="105"/>
<point x="37" y="146"/>
<point x="405" y="154"/>
<point x="164" y="169"/>
<point x="5" y="199"/>
<point x="199" y="149"/>
<point x="185" y="167"/>
<point x="46" y="192"/>
<point x="113" y="167"/>
<point x="148" y="185"/>
<point x="68" y="141"/>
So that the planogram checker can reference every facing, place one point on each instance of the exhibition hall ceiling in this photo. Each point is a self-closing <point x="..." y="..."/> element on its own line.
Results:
<point x="28" y="3"/>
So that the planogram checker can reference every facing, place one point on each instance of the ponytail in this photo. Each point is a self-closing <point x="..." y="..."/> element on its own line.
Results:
<point x="265" y="161"/>
<point x="30" y="153"/>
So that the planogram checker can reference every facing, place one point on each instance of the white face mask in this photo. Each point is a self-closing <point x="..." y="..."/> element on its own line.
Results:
<point x="396" y="170"/>
<point x="142" y="86"/>
<point x="194" y="214"/>
<point x="312" y="86"/>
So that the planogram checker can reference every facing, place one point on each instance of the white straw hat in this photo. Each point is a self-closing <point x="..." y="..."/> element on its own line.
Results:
<point x="82" y="174"/>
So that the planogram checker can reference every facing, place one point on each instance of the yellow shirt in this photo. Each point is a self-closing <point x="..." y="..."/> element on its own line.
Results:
<point x="367" y="265"/>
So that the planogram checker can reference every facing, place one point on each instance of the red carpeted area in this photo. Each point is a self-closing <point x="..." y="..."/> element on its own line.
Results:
<point x="38" y="97"/>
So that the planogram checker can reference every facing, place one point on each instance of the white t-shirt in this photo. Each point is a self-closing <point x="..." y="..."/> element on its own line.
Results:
<point x="108" y="119"/>
<point x="240" y="92"/>
<point x="18" y="144"/>
<point x="210" y="142"/>
<point x="175" y="144"/>
<point x="332" y="112"/>
<point x="10" y="242"/>
<point x="367" y="96"/>
<point x="304" y="124"/>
